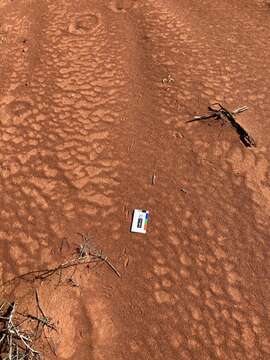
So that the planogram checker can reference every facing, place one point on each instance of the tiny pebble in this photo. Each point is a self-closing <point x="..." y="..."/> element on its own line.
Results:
<point x="183" y="190"/>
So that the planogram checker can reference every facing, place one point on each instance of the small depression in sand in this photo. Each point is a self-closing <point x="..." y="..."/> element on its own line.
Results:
<point x="15" y="112"/>
<point x="83" y="24"/>
<point x="19" y="107"/>
<point x="122" y="5"/>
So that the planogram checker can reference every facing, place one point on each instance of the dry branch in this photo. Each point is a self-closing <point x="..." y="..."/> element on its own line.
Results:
<point x="86" y="255"/>
<point x="87" y="250"/>
<point x="15" y="342"/>
<point x="222" y="113"/>
<point x="16" y="332"/>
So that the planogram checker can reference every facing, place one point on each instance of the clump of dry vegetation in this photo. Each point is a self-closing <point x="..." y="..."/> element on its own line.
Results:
<point x="19" y="332"/>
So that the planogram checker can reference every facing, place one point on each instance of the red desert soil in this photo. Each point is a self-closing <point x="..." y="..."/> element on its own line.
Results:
<point x="95" y="96"/>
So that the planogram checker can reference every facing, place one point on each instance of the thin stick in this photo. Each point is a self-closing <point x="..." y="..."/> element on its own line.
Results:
<point x="2" y="338"/>
<point x="112" y="267"/>
<point x="13" y="306"/>
<point x="202" y="117"/>
<point x="240" y="110"/>
<point x="44" y="321"/>
<point x="108" y="262"/>
<point x="17" y="352"/>
<point x="50" y="345"/>
<point x="43" y="274"/>
<point x="10" y="347"/>
<point x="38" y="304"/>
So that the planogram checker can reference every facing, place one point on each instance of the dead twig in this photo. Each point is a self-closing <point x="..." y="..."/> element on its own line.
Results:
<point x="38" y="304"/>
<point x="44" y="321"/>
<point x="246" y="139"/>
<point x="46" y="273"/>
<point x="87" y="254"/>
<point x="108" y="262"/>
<point x="222" y="113"/>
<point x="91" y="251"/>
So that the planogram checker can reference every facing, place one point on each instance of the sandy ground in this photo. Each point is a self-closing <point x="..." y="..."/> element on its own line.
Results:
<point x="94" y="100"/>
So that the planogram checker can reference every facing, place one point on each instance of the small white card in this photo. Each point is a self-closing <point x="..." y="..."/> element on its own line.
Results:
<point x="139" y="221"/>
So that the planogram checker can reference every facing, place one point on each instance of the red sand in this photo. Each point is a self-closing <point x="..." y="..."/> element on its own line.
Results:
<point x="94" y="99"/>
